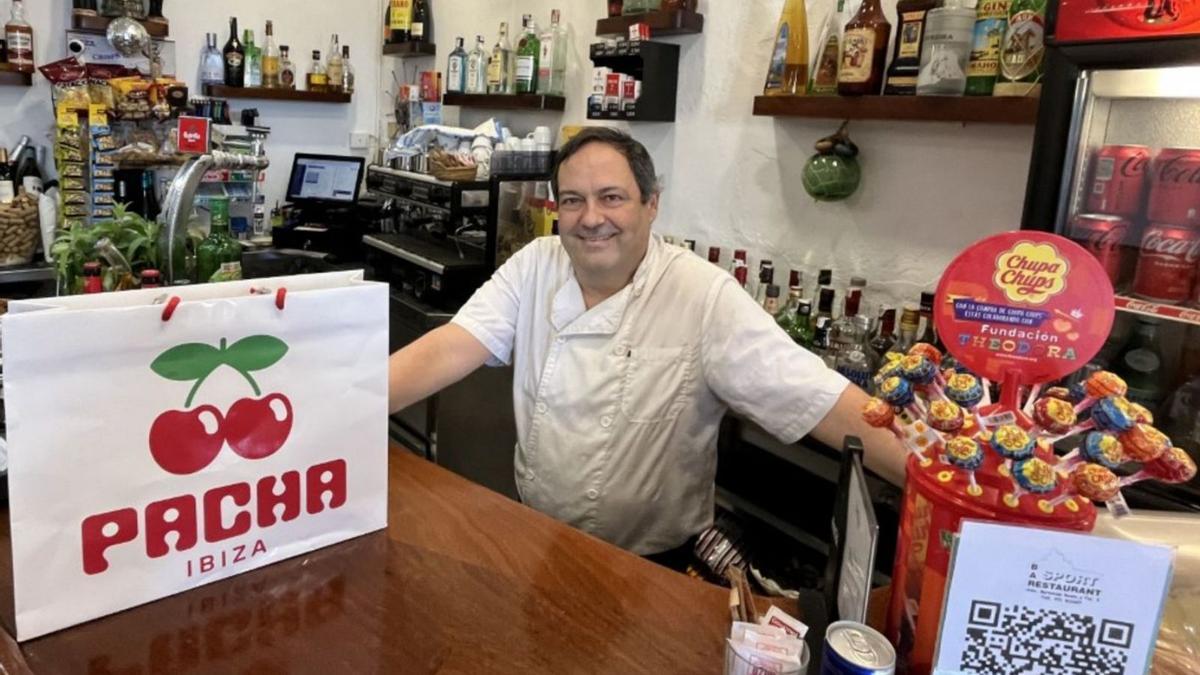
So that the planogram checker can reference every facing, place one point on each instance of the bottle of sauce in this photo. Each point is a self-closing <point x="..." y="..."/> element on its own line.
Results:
<point x="788" y="74"/>
<point x="864" y="51"/>
<point x="19" y="36"/>
<point x="906" y="55"/>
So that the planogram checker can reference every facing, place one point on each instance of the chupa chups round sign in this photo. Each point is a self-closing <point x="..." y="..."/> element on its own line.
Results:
<point x="1029" y="305"/>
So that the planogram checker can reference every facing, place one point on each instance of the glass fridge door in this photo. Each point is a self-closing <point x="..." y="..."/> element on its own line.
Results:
<point x="1131" y="196"/>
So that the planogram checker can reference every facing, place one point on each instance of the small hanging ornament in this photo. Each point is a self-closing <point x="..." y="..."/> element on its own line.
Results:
<point x="833" y="174"/>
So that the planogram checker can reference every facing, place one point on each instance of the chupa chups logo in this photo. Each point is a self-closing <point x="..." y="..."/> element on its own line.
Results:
<point x="1031" y="273"/>
<point x="179" y="440"/>
<point x="181" y="444"/>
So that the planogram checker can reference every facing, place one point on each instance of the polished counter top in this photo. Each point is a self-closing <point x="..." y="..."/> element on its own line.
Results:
<point x="462" y="580"/>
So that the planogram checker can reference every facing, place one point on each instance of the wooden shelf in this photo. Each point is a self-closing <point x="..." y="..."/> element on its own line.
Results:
<point x="156" y="29"/>
<point x="1158" y="310"/>
<point x="260" y="93"/>
<point x="11" y="76"/>
<point x="983" y="109"/>
<point x="681" y="22"/>
<point x="506" y="101"/>
<point x="409" y="49"/>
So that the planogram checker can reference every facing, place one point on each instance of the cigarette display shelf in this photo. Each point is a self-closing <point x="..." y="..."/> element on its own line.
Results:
<point x="655" y="64"/>
<point x="979" y="109"/>
<point x="402" y="49"/>
<point x="678" y="22"/>
<point x="9" y="75"/>
<point x="264" y="94"/>
<point x="506" y="101"/>
<point x="1158" y="310"/>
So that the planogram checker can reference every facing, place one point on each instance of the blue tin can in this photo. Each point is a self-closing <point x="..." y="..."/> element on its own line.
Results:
<point x="855" y="649"/>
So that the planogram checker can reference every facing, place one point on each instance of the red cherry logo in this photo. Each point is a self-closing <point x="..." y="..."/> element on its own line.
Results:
<point x="181" y="444"/>
<point x="253" y="427"/>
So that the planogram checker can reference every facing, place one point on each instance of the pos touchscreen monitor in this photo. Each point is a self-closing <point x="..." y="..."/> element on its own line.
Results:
<point x="325" y="179"/>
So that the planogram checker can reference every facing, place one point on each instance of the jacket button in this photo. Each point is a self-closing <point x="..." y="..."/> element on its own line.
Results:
<point x="541" y="408"/>
<point x="606" y="421"/>
<point x="593" y="494"/>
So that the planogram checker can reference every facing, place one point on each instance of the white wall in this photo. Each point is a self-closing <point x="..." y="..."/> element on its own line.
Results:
<point x="733" y="179"/>
<point x="303" y="25"/>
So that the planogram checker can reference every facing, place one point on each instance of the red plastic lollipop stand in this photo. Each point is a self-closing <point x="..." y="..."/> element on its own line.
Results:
<point x="1019" y="308"/>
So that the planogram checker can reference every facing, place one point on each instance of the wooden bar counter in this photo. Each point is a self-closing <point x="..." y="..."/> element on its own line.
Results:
<point x="462" y="581"/>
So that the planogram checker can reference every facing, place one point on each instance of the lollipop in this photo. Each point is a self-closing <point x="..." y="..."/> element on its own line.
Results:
<point x="1060" y="393"/>
<point x="918" y="369"/>
<point x="1095" y="482"/>
<point x="965" y="453"/>
<point x="1141" y="413"/>
<point x="899" y="393"/>
<point x="928" y="351"/>
<point x="880" y="415"/>
<point x="965" y="390"/>
<point x="1173" y="466"/>
<point x="945" y="416"/>
<point x="1110" y="414"/>
<point x="1034" y="475"/>
<point x="1143" y="443"/>
<point x="1103" y="449"/>
<point x="1053" y="416"/>
<point x="891" y="367"/>
<point x="1099" y="385"/>
<point x="1012" y="442"/>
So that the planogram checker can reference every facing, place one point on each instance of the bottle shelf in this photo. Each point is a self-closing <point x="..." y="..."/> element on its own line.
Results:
<point x="679" y="22"/>
<point x="99" y="24"/>
<point x="409" y="49"/>
<point x="655" y="65"/>
<point x="9" y="75"/>
<point x="1158" y="310"/>
<point x="262" y="93"/>
<point x="981" y="109"/>
<point x="506" y="101"/>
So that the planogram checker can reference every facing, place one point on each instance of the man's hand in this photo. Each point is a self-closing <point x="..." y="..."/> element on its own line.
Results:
<point x="882" y="452"/>
<point x="440" y="358"/>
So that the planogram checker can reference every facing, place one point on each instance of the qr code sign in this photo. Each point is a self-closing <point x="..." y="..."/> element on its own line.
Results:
<point x="1017" y="640"/>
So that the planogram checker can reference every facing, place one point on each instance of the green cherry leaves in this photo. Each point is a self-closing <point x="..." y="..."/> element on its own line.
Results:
<point x="196" y="361"/>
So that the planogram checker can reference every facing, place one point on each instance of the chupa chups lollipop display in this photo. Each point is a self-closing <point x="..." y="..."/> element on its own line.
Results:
<point x="1101" y="384"/>
<point x="966" y="454"/>
<point x="1143" y="443"/>
<point x="1053" y="417"/>
<point x="1099" y="447"/>
<point x="946" y="416"/>
<point x="1172" y="466"/>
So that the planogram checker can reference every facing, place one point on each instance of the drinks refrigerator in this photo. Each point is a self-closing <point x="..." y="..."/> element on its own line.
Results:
<point x="1116" y="167"/>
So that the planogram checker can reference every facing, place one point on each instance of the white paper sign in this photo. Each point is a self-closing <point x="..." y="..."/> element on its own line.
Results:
<point x="149" y="455"/>
<point x="1046" y="601"/>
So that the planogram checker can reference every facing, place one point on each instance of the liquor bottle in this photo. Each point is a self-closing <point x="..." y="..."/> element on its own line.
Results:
<point x="400" y="14"/>
<point x="529" y="50"/>
<point x="219" y="255"/>
<point x="92" y="282"/>
<point x="738" y="267"/>
<point x="788" y="71"/>
<point x="1140" y="363"/>
<point x="150" y="279"/>
<point x="477" y="68"/>
<point x="714" y="255"/>
<point x="235" y="57"/>
<point x="771" y="300"/>
<point x="253" y="70"/>
<point x="853" y="359"/>
<point x="18" y="35"/>
<point x="906" y="54"/>
<point x="84" y="8"/>
<point x="420" y="21"/>
<point x="990" y="18"/>
<point x="820" y="341"/>
<point x="766" y="277"/>
<point x="212" y="64"/>
<point x="347" y="71"/>
<point x="825" y="297"/>
<point x="929" y="333"/>
<point x="287" y="70"/>
<point x="456" y="69"/>
<point x="949" y="30"/>
<point x="824" y="74"/>
<point x="8" y="189"/>
<point x="801" y="327"/>
<point x="333" y="65"/>
<point x="844" y="331"/>
<point x="910" y="322"/>
<point x="26" y="174"/>
<point x="318" y="81"/>
<point x="884" y="339"/>
<point x="1022" y="54"/>
<point x="864" y="51"/>
<point x="500" y="66"/>
<point x="270" y="59"/>
<point x="552" y="62"/>
<point x="787" y="315"/>
<point x="615" y="8"/>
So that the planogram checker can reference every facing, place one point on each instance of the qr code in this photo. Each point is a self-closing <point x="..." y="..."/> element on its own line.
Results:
<point x="1016" y="640"/>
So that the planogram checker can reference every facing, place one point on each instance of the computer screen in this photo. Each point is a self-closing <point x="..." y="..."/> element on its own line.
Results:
<point x="325" y="178"/>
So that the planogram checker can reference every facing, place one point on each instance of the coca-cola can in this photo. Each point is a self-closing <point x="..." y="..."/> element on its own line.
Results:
<point x="1166" y="266"/>
<point x="1119" y="180"/>
<point x="1175" y="187"/>
<point x="1102" y="236"/>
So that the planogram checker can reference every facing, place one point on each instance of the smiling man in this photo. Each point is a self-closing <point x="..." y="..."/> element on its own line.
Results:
<point x="626" y="355"/>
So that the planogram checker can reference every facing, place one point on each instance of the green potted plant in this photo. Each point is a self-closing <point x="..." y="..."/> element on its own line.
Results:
<point x="127" y="243"/>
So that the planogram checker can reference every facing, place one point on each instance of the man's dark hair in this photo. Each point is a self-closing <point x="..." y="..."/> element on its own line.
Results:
<point x="634" y="152"/>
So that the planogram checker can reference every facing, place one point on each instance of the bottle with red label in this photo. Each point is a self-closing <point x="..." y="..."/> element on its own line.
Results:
<point x="92" y="282"/>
